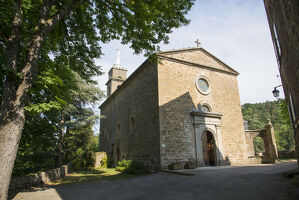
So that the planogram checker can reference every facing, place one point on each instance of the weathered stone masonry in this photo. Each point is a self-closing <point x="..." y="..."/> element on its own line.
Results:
<point x="162" y="114"/>
<point x="131" y="127"/>
<point x="283" y="18"/>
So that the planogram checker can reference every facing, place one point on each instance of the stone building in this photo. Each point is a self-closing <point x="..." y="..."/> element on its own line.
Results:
<point x="283" y="18"/>
<point x="185" y="107"/>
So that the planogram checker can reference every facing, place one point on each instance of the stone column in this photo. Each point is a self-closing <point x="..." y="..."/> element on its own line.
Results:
<point x="271" y="142"/>
<point x="199" y="148"/>
<point x="220" y="159"/>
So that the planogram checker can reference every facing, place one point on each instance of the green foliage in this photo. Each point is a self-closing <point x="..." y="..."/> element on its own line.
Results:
<point x="104" y="162"/>
<point x="37" y="149"/>
<point x="93" y="144"/>
<point x="58" y="104"/>
<point x="84" y="160"/>
<point x="258" y="144"/>
<point x="39" y="139"/>
<point x="42" y="107"/>
<point x="258" y="114"/>
<point x="131" y="167"/>
<point x="74" y="40"/>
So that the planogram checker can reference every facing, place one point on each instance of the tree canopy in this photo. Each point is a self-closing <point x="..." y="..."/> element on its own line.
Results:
<point x="44" y="40"/>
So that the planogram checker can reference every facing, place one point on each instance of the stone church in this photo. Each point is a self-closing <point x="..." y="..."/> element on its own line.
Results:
<point x="184" y="107"/>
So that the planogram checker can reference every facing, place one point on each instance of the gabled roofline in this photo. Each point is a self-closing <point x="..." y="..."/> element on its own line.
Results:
<point x="203" y="50"/>
<point x="160" y="54"/>
<point x="197" y="65"/>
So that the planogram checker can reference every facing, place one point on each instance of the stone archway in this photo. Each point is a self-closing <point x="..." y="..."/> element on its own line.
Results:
<point x="267" y="134"/>
<point x="207" y="128"/>
<point x="209" y="149"/>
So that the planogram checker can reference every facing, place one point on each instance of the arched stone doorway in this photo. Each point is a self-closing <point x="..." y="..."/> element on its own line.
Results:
<point x="209" y="149"/>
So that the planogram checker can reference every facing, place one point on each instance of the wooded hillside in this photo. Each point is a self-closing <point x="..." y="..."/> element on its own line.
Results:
<point x="258" y="114"/>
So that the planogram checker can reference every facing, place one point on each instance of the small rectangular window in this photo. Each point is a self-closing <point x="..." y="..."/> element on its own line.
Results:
<point x="118" y="129"/>
<point x="132" y="126"/>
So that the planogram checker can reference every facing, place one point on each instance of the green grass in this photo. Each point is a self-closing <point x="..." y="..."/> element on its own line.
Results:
<point x="98" y="174"/>
<point x="286" y="159"/>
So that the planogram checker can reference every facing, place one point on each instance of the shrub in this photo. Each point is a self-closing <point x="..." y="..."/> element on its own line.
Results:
<point x="84" y="160"/>
<point x="131" y="167"/>
<point x="106" y="162"/>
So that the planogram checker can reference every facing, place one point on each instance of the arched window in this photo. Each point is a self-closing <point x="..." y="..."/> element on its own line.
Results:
<point x="204" y="108"/>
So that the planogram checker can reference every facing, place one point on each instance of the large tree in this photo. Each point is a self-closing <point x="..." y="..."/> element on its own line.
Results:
<point x="34" y="32"/>
<point x="54" y="131"/>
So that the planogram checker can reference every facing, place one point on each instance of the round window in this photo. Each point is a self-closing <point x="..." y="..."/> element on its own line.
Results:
<point x="203" y="85"/>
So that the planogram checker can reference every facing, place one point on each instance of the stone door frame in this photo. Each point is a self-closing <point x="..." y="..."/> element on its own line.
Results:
<point x="205" y="145"/>
<point x="207" y="122"/>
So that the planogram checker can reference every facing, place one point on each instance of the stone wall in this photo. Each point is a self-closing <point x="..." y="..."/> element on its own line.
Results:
<point x="284" y="16"/>
<point x="38" y="178"/>
<point x="250" y="135"/>
<point x="130" y="128"/>
<point x="116" y="77"/>
<point x="99" y="157"/>
<point x="267" y="134"/>
<point x="178" y="96"/>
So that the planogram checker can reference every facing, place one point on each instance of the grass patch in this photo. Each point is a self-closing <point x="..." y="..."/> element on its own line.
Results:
<point x="131" y="167"/>
<point x="287" y="160"/>
<point x="98" y="174"/>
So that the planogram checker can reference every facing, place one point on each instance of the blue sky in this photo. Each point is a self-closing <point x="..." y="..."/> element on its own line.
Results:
<point x="235" y="31"/>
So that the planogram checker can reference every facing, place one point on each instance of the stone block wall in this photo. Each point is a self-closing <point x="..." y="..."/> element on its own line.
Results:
<point x="250" y="135"/>
<point x="130" y="129"/>
<point x="283" y="16"/>
<point x="38" y="178"/>
<point x="178" y="96"/>
<point x="99" y="157"/>
<point x="267" y="134"/>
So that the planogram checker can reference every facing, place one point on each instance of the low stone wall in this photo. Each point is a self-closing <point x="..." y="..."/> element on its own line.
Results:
<point x="98" y="158"/>
<point x="38" y="178"/>
<point x="287" y="154"/>
<point x="254" y="159"/>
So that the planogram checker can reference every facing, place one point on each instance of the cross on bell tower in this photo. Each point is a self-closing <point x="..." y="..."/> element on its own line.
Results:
<point x="198" y="43"/>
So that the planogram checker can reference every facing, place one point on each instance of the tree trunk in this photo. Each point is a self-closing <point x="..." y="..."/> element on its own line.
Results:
<point x="11" y="125"/>
<point x="12" y="116"/>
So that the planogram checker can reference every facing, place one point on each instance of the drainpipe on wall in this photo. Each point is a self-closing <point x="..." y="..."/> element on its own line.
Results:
<point x="112" y="129"/>
<point x="195" y="142"/>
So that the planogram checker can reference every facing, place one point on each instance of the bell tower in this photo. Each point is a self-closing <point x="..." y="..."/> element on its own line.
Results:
<point x="117" y="75"/>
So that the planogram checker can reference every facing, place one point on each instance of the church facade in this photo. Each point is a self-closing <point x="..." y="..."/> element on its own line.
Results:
<point x="183" y="107"/>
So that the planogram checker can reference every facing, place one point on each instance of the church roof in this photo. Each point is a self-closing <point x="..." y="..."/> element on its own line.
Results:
<point x="181" y="56"/>
<point x="199" y="57"/>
